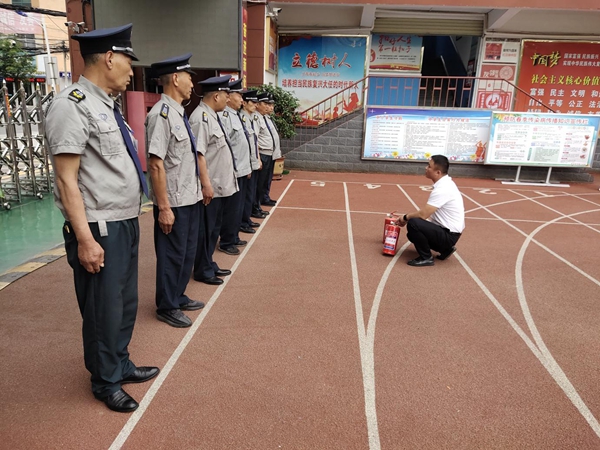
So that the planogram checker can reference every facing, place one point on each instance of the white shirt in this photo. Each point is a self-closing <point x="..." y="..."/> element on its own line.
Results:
<point x="447" y="199"/>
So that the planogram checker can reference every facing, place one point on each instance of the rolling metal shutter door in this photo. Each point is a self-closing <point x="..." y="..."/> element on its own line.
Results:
<point x="429" y="26"/>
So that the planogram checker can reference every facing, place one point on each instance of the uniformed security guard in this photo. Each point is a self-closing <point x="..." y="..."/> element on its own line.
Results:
<point x="213" y="142"/>
<point x="267" y="200"/>
<point x="266" y="147"/>
<point x="174" y="165"/>
<point x="250" y="120"/>
<point x="239" y="139"/>
<point x="98" y="186"/>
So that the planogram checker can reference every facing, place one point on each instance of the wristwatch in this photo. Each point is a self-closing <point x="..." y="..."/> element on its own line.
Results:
<point x="404" y="218"/>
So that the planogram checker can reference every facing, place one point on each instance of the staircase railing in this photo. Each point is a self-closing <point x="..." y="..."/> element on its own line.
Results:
<point x="442" y="92"/>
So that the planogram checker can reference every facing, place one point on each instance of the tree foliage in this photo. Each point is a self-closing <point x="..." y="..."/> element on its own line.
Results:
<point x="14" y="61"/>
<point x="285" y="114"/>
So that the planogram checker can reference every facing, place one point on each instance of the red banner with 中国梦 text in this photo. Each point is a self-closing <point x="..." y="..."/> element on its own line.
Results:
<point x="563" y="75"/>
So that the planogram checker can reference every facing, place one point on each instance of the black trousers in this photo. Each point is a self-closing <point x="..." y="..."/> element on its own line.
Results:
<point x="208" y="235"/>
<point x="427" y="236"/>
<point x="250" y="198"/>
<point x="267" y="196"/>
<point x="263" y="178"/>
<point x="175" y="253"/>
<point x="108" y="302"/>
<point x="232" y="215"/>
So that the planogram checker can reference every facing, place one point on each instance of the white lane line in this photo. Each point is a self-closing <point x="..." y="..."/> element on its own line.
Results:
<point x="164" y="373"/>
<point x="553" y="253"/>
<point x="552" y="366"/>
<point x="558" y="212"/>
<point x="508" y="202"/>
<point x="539" y="193"/>
<point x="366" y="353"/>
<point x="545" y="356"/>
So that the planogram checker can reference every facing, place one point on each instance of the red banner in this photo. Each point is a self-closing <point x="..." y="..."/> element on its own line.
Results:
<point x="563" y="75"/>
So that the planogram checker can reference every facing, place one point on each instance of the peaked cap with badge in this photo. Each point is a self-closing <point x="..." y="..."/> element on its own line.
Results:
<point x="236" y="86"/>
<point x="250" y="96"/>
<point x="173" y="65"/>
<point x="265" y="97"/>
<point x="215" y="84"/>
<point x="103" y="40"/>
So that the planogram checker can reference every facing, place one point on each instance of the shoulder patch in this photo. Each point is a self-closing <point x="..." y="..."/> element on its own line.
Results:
<point x="225" y="113"/>
<point x="76" y="95"/>
<point x="204" y="117"/>
<point x="164" y="111"/>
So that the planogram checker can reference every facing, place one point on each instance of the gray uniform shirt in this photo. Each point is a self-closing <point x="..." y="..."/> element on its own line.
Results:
<point x="265" y="140"/>
<point x="251" y="122"/>
<point x="212" y="143"/>
<point x="276" y="140"/>
<point x="168" y="138"/>
<point x="81" y="121"/>
<point x="239" y="143"/>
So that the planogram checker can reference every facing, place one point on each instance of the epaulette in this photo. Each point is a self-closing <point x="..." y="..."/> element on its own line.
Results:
<point x="225" y="113"/>
<point x="204" y="117"/>
<point x="164" y="111"/>
<point x="76" y="95"/>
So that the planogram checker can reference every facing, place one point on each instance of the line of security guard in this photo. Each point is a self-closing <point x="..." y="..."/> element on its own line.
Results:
<point x="239" y="139"/>
<point x="176" y="169"/>
<point x="250" y="120"/>
<point x="212" y="138"/>
<point x="98" y="187"/>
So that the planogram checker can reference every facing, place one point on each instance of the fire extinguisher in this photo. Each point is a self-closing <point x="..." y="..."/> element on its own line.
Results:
<point x="392" y="234"/>
<point x="390" y="217"/>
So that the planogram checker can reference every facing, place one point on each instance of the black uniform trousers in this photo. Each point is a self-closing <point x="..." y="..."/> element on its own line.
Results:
<point x="108" y="302"/>
<point x="204" y="266"/>
<point x="267" y="196"/>
<point x="250" y="199"/>
<point x="427" y="236"/>
<point x="232" y="215"/>
<point x="175" y="253"/>
<point x="263" y="178"/>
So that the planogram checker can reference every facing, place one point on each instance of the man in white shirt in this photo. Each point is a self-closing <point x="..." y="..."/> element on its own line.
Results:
<point x="439" y="224"/>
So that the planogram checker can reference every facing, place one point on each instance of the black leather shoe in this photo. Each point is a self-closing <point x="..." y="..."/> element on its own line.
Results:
<point x="266" y="213"/>
<point x="233" y="250"/>
<point x="212" y="280"/>
<point x="258" y="215"/>
<point x="141" y="374"/>
<point x="421" y="262"/>
<point x="446" y="255"/>
<point x="174" y="317"/>
<point x="269" y="203"/>
<point x="247" y="230"/>
<point x="120" y="401"/>
<point x="241" y="243"/>
<point x="254" y="224"/>
<point x="222" y="272"/>
<point x="192" y="305"/>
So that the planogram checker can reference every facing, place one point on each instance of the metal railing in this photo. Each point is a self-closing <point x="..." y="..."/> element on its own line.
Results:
<point x="441" y="92"/>
<point x="25" y="168"/>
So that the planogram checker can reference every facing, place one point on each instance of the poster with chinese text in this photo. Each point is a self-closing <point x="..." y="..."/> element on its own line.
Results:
<point x="495" y="88"/>
<point x="501" y="50"/>
<point x="317" y="67"/>
<point x="396" y="52"/>
<point x="417" y="134"/>
<point x="563" y="75"/>
<point x="548" y="140"/>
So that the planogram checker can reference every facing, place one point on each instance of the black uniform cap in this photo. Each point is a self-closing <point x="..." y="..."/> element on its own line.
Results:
<point x="236" y="85"/>
<point x="250" y="96"/>
<point x="265" y="97"/>
<point x="116" y="39"/>
<point x="214" y="84"/>
<point x="173" y="65"/>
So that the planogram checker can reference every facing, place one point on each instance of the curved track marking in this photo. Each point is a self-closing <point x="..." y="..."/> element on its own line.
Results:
<point x="553" y="367"/>
<point x="164" y="373"/>
<point x="543" y="354"/>
<point x="509" y="201"/>
<point x="558" y="212"/>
